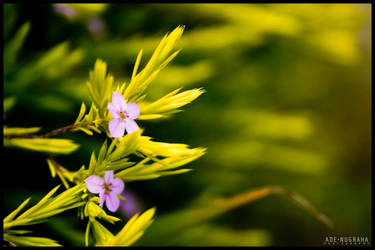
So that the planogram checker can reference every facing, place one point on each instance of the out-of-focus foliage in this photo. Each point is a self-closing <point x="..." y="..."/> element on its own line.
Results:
<point x="59" y="146"/>
<point x="287" y="103"/>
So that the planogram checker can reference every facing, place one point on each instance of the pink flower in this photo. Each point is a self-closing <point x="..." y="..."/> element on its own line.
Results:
<point x="66" y="10"/>
<point x="123" y="115"/>
<point x="108" y="189"/>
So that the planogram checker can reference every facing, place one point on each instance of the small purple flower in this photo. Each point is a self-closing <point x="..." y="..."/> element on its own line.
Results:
<point x="131" y="205"/>
<point x="108" y="188"/>
<point x="123" y="116"/>
<point x="96" y="26"/>
<point x="65" y="10"/>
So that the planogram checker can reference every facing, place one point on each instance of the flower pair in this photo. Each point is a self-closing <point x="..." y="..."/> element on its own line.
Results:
<point x="123" y="119"/>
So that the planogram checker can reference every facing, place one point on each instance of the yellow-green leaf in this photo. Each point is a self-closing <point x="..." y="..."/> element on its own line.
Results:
<point x="19" y="131"/>
<point x="13" y="214"/>
<point x="132" y="230"/>
<point x="58" y="146"/>
<point x="31" y="241"/>
<point x="168" y="103"/>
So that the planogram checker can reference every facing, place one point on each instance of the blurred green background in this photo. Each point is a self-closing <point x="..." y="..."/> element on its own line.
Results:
<point x="288" y="103"/>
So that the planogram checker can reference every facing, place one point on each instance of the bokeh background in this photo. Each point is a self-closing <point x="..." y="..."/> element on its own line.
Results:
<point x="287" y="103"/>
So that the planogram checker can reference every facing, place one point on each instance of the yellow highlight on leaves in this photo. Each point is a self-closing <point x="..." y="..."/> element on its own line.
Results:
<point x="133" y="230"/>
<point x="19" y="131"/>
<point x="160" y="58"/>
<point x="59" y="146"/>
<point x="168" y="104"/>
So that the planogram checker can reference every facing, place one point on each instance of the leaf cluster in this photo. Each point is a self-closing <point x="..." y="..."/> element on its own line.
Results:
<point x="156" y="159"/>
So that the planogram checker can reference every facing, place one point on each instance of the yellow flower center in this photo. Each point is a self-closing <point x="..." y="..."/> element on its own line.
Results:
<point x="123" y="115"/>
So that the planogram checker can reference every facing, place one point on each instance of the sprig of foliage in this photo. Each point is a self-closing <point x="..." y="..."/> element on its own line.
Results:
<point x="101" y="87"/>
<point x="156" y="158"/>
<point x="159" y="59"/>
<point x="128" y="235"/>
<point x="46" y="207"/>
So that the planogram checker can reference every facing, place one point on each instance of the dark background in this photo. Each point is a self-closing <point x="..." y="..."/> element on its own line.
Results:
<point x="287" y="103"/>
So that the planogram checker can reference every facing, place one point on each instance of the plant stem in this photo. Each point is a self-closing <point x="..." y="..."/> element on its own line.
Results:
<point x="59" y="131"/>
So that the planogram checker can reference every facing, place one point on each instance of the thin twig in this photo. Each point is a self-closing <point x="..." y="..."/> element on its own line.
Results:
<point x="60" y="131"/>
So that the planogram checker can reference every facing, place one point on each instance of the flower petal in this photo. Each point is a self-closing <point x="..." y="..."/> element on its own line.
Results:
<point x="94" y="183"/>
<point x="119" y="101"/>
<point x="112" y="202"/>
<point x="117" y="186"/>
<point x="108" y="177"/>
<point x="130" y="126"/>
<point x="133" y="110"/>
<point x="113" y="109"/>
<point x="102" y="197"/>
<point x="116" y="127"/>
